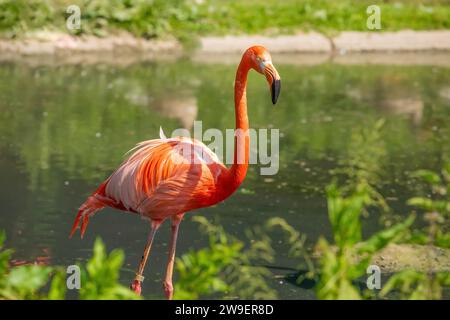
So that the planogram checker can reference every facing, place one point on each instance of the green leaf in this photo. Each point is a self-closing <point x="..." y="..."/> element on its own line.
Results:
<point x="23" y="282"/>
<point x="382" y="238"/>
<point x="428" y="176"/>
<point x="58" y="286"/>
<point x="423" y="203"/>
<point x="100" y="279"/>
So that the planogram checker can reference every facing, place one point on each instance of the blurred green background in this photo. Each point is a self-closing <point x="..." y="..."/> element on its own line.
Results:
<point x="185" y="19"/>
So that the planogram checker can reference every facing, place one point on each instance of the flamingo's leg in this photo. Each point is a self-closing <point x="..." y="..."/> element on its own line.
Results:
<point x="136" y="284"/>
<point x="168" y="286"/>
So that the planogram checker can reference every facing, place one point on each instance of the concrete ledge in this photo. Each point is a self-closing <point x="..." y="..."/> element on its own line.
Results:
<point x="304" y="42"/>
<point x="393" y="41"/>
<point x="54" y="43"/>
<point x="349" y="41"/>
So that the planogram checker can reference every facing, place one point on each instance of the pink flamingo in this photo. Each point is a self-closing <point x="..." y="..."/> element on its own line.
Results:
<point x="161" y="180"/>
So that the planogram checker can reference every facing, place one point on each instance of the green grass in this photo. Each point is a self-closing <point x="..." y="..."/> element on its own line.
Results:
<point x="190" y="18"/>
<point x="324" y="15"/>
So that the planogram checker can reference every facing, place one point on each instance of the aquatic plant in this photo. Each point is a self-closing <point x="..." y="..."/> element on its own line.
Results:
<point x="436" y="208"/>
<point x="362" y="166"/>
<point x="298" y="248"/>
<point x="348" y="257"/>
<point x="414" y="285"/>
<point x="99" y="278"/>
<point x="26" y="282"/>
<point x="225" y="268"/>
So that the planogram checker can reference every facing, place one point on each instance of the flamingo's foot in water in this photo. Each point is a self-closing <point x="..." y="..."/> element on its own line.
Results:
<point x="136" y="287"/>
<point x="168" y="290"/>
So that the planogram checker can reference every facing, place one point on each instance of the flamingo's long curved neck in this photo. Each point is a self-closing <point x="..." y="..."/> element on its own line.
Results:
<point x="242" y="139"/>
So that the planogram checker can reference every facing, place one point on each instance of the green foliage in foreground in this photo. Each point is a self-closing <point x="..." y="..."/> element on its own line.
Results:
<point x="414" y="285"/>
<point x="349" y="258"/>
<point x="24" y="282"/>
<point x="198" y="270"/>
<point x="185" y="18"/>
<point x="411" y="284"/>
<point x="228" y="266"/>
<point x="436" y="208"/>
<point x="99" y="278"/>
<point x="225" y="267"/>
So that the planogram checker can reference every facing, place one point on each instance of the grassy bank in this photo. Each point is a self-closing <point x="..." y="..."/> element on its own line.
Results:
<point x="190" y="18"/>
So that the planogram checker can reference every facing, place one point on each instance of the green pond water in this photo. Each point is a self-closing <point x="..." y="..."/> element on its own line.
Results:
<point x="64" y="128"/>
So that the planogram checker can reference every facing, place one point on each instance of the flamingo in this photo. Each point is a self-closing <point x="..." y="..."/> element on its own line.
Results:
<point x="159" y="180"/>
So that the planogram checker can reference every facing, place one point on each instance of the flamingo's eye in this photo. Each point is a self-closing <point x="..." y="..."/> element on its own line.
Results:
<point x="262" y="64"/>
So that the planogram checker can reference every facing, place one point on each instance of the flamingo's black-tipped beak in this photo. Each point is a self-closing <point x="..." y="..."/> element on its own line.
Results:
<point x="274" y="80"/>
<point x="275" y="89"/>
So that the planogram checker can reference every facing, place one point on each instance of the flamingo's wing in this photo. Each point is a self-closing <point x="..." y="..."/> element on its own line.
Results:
<point x="165" y="177"/>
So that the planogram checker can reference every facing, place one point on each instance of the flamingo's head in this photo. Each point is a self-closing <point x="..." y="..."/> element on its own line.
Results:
<point x="261" y="61"/>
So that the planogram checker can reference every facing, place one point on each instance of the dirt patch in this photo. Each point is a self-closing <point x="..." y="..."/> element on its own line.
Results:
<point x="397" y="257"/>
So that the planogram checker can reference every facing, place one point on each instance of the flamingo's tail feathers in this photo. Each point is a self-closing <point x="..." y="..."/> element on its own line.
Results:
<point x="75" y="224"/>
<point x="84" y="224"/>
<point x="88" y="208"/>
